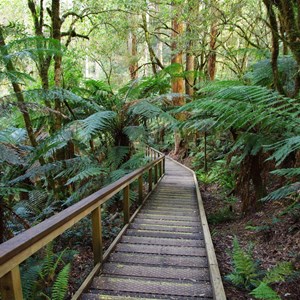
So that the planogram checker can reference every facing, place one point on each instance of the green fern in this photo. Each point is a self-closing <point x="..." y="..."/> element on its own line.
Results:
<point x="289" y="189"/>
<point x="278" y="273"/>
<point x="263" y="291"/>
<point x="247" y="275"/>
<point x="284" y="148"/>
<point x="87" y="173"/>
<point x="245" y="272"/>
<point x="60" y="285"/>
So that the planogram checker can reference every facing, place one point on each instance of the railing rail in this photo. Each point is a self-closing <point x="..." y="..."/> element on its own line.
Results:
<point x="16" y="250"/>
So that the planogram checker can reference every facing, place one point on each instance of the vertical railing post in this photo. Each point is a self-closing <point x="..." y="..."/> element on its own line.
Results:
<point x="126" y="212"/>
<point x="150" y="179"/>
<point x="159" y="169"/>
<point x="140" y="180"/>
<point x="10" y="285"/>
<point x="97" y="235"/>
<point x="155" y="173"/>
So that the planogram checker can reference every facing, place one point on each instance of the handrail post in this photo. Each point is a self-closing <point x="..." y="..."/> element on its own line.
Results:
<point x="10" y="286"/>
<point x="155" y="173"/>
<point x="140" y="189"/>
<point x="126" y="212"/>
<point x="97" y="235"/>
<point x="159" y="169"/>
<point x="150" y="179"/>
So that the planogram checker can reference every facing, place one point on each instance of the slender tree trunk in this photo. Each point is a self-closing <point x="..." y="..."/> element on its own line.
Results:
<point x="18" y="92"/>
<point x="193" y="14"/>
<point x="56" y="34"/>
<point x="44" y="59"/>
<point x="212" y="57"/>
<point x="153" y="58"/>
<point x="289" y="13"/>
<point x="275" y="46"/>
<point x="132" y="48"/>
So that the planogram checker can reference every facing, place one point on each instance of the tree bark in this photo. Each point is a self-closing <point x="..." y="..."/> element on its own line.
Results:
<point x="153" y="58"/>
<point x="44" y="59"/>
<point x="132" y="48"/>
<point x="177" y="81"/>
<point x="289" y="12"/>
<point x="212" y="56"/>
<point x="193" y="11"/>
<point x="275" y="46"/>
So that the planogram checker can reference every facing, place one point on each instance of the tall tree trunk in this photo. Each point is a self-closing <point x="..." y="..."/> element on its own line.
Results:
<point x="44" y="59"/>
<point x="56" y="34"/>
<point x="132" y="49"/>
<point x="177" y="81"/>
<point x="275" y="46"/>
<point x="192" y="35"/>
<point x="289" y="12"/>
<point x="212" y="57"/>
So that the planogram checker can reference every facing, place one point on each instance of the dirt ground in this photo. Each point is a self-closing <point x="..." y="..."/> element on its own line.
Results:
<point x="274" y="232"/>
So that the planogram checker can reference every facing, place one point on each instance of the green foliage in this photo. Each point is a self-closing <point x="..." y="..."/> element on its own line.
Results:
<point x="263" y="291"/>
<point x="244" y="269"/>
<point x="247" y="275"/>
<point x="261" y="73"/>
<point x="60" y="285"/>
<point x="42" y="277"/>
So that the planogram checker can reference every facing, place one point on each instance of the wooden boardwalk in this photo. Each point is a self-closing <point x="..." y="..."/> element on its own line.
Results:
<point x="162" y="254"/>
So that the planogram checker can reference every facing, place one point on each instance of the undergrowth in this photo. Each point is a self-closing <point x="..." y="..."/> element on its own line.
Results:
<point x="248" y="275"/>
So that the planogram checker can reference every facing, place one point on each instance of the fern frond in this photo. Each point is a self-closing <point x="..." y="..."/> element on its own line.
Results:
<point x="60" y="285"/>
<point x="283" y="192"/>
<point x="244" y="273"/>
<point x="116" y="156"/>
<point x="263" y="291"/>
<point x="87" y="173"/>
<point x="29" y="281"/>
<point x="284" y="148"/>
<point x="278" y="273"/>
<point x="136" y="133"/>
<point x="145" y="109"/>
<point x="290" y="172"/>
<point x="11" y="155"/>
<point x="96" y="122"/>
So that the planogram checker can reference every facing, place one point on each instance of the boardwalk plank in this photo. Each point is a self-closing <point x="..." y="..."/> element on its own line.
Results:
<point x="179" y="273"/>
<point x="161" y="287"/>
<point x="158" y="249"/>
<point x="160" y="260"/>
<point x="161" y="241"/>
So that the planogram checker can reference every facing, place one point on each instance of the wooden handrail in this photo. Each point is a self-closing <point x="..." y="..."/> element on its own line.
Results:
<point x="16" y="250"/>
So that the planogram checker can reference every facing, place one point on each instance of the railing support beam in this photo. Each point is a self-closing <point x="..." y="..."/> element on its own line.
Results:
<point x="97" y="235"/>
<point x="10" y="285"/>
<point x="150" y="180"/>
<point x="126" y="211"/>
<point x="140" y="189"/>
